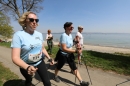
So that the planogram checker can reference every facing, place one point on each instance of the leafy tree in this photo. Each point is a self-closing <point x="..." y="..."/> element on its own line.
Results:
<point x="5" y="29"/>
<point x="15" y="8"/>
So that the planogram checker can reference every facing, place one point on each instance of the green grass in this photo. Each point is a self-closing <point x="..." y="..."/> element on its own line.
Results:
<point x="8" y="78"/>
<point x="5" y="44"/>
<point x="119" y="63"/>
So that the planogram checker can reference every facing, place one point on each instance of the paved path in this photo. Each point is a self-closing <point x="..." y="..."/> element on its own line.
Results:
<point x="98" y="77"/>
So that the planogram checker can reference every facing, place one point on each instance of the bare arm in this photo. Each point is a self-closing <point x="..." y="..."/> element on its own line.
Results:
<point x="70" y="50"/>
<point x="19" y="62"/>
<point x="46" y="53"/>
<point x="15" y="55"/>
<point x="46" y="36"/>
<point x="67" y="49"/>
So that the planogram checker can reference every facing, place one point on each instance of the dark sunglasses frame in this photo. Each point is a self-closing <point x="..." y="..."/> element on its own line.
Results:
<point x="71" y="28"/>
<point x="32" y="20"/>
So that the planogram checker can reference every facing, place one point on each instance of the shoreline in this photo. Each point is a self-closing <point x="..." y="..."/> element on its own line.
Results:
<point x="99" y="48"/>
<point x="108" y="46"/>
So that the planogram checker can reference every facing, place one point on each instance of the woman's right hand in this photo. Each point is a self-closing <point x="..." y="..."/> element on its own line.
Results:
<point x="31" y="70"/>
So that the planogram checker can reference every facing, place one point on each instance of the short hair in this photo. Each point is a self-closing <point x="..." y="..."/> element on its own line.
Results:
<point x="22" y="19"/>
<point x="80" y="27"/>
<point x="49" y="31"/>
<point x="67" y="24"/>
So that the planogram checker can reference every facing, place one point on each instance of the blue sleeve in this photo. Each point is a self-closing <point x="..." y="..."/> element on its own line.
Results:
<point x="16" y="43"/>
<point x="63" y="39"/>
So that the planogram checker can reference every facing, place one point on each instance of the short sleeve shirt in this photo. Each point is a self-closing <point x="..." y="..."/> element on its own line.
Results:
<point x="48" y="35"/>
<point x="80" y="37"/>
<point x="66" y="39"/>
<point x="30" y="45"/>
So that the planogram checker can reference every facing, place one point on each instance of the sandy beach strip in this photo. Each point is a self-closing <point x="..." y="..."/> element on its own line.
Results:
<point x="101" y="48"/>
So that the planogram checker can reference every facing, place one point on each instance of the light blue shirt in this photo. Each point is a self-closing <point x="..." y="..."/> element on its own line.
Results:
<point x="66" y="39"/>
<point x="30" y="45"/>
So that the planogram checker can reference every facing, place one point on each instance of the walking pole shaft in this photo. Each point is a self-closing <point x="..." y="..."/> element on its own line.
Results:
<point x="87" y="70"/>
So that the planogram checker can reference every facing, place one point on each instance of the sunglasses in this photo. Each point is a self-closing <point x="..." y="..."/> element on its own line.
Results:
<point x="71" y="28"/>
<point x="32" y="20"/>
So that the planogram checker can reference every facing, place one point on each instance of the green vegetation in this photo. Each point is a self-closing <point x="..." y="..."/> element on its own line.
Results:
<point x="5" y="44"/>
<point x="8" y="78"/>
<point x="5" y="29"/>
<point x="117" y="62"/>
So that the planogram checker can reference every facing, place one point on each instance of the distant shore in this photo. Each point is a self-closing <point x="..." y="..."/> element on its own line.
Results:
<point x="102" y="48"/>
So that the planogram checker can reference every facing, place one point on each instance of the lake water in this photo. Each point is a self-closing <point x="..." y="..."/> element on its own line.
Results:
<point x="121" y="40"/>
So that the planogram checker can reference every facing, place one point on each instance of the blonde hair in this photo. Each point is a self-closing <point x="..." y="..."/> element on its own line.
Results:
<point x="22" y="19"/>
<point x="80" y="27"/>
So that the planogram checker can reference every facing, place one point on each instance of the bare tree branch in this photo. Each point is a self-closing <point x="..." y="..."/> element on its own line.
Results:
<point x="15" y="8"/>
<point x="31" y="6"/>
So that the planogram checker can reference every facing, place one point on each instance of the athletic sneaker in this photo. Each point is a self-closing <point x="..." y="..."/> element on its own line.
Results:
<point x="56" y="78"/>
<point x="84" y="83"/>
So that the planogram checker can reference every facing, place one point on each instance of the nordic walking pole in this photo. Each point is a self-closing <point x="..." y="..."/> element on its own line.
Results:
<point x="76" y="72"/>
<point x="86" y="68"/>
<point x="123" y="82"/>
<point x="78" y="47"/>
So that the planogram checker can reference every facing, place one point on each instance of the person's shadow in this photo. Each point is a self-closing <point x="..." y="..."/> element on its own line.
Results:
<point x="51" y="75"/>
<point x="14" y="82"/>
<point x="20" y="82"/>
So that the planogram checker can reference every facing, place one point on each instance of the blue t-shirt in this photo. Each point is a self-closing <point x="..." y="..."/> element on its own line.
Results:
<point x="30" y="45"/>
<point x="66" y="39"/>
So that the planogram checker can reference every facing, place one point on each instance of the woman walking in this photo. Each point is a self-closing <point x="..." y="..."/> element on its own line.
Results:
<point x="66" y="53"/>
<point x="27" y="49"/>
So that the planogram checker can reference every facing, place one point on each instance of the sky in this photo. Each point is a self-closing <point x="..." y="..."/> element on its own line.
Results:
<point x="101" y="16"/>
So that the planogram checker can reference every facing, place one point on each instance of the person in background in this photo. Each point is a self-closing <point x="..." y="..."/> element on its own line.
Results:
<point x="49" y="39"/>
<point x="27" y="49"/>
<point x="66" y="53"/>
<point x="79" y="41"/>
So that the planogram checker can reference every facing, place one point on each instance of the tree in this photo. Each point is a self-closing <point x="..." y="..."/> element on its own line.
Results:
<point x="15" y="8"/>
<point x="5" y="29"/>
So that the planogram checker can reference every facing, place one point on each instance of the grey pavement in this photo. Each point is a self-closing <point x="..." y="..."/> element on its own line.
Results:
<point x="98" y="76"/>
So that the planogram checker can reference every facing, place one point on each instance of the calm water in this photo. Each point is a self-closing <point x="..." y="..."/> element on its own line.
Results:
<point x="102" y="39"/>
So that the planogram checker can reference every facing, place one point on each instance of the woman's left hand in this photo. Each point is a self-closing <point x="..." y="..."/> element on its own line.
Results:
<point x="52" y="62"/>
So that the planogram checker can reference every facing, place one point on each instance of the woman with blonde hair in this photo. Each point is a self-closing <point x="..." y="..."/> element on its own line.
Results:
<point x="27" y="50"/>
<point x="49" y="39"/>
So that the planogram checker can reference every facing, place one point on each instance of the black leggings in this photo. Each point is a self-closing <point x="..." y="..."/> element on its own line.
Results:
<point x="42" y="71"/>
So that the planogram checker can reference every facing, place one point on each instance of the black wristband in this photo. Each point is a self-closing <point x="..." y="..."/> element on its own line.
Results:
<point x="50" y="60"/>
<point x="28" y="67"/>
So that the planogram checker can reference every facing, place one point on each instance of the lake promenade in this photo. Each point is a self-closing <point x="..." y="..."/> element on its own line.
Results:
<point x="98" y="76"/>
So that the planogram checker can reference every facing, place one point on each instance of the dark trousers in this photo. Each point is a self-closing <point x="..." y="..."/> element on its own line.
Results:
<point x="50" y="44"/>
<point x="42" y="71"/>
<point x="62" y="59"/>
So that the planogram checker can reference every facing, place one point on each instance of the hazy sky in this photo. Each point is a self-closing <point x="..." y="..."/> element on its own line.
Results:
<point x="94" y="15"/>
